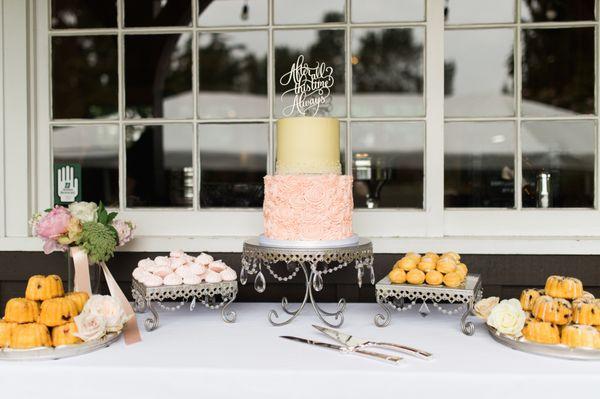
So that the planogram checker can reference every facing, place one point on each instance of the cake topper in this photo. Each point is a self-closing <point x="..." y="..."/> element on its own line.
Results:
<point x="311" y="87"/>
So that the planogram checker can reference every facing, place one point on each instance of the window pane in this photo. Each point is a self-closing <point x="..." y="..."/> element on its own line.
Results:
<point x="556" y="10"/>
<point x="479" y="164"/>
<point x="558" y="71"/>
<point x="388" y="10"/>
<point x="387" y="72"/>
<point x="233" y="162"/>
<point x="317" y="46"/>
<point x="96" y="150"/>
<point x="233" y="75"/>
<point x="388" y="164"/>
<point x="309" y="11"/>
<point x="233" y="12"/>
<point x="565" y="150"/>
<point x="479" y="11"/>
<point x="158" y="76"/>
<point x="83" y="14"/>
<point x="159" y="166"/>
<point x="84" y="77"/>
<point x="158" y="12"/>
<point x="478" y="72"/>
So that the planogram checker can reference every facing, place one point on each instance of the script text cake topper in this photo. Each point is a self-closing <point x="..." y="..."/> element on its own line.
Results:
<point x="312" y="86"/>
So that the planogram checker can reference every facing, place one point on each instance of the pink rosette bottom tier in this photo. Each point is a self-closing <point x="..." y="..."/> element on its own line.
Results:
<point x="308" y="207"/>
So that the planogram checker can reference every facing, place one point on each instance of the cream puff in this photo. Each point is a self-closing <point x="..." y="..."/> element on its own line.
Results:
<point x="415" y="276"/>
<point x="445" y="266"/>
<point x="397" y="276"/>
<point x="452" y="280"/>
<point x="434" y="277"/>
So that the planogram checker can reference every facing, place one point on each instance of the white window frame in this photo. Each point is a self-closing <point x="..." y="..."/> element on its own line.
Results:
<point x="26" y="163"/>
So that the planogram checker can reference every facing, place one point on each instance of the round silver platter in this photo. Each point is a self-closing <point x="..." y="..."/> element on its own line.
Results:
<point x="60" y="352"/>
<point x="560" y="351"/>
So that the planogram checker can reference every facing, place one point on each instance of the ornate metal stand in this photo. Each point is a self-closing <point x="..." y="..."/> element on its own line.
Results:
<point x="314" y="263"/>
<point x="394" y="296"/>
<point x="211" y="295"/>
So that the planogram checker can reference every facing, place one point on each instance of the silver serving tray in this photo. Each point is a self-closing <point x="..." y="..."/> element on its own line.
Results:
<point x="560" y="351"/>
<point x="60" y="352"/>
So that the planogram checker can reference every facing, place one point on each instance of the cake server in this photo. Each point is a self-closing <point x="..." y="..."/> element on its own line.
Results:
<point x="354" y="343"/>
<point x="345" y="349"/>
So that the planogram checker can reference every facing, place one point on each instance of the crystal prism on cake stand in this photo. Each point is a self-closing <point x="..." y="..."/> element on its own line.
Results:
<point x="314" y="262"/>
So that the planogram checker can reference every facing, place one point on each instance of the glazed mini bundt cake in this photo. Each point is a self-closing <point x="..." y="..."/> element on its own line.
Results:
<point x="553" y="310"/>
<point x="40" y="288"/>
<point x="21" y="310"/>
<point x="528" y="297"/>
<point x="586" y="311"/>
<point x="63" y="335"/>
<point x="57" y="311"/>
<point x="6" y="328"/>
<point x="541" y="332"/>
<point x="564" y="287"/>
<point x="580" y="336"/>
<point x="30" y="335"/>
<point x="80" y="298"/>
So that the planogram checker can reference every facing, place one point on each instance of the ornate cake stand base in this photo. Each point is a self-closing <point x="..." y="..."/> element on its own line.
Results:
<point x="393" y="296"/>
<point x="314" y="263"/>
<point x="211" y="295"/>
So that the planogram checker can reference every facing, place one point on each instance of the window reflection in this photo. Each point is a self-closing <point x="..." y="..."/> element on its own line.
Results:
<point x="96" y="150"/>
<point x="479" y="161"/>
<point x="309" y="11"/>
<point x="557" y="10"/>
<point x="158" y="13"/>
<point x="479" y="11"/>
<point x="388" y="10"/>
<point x="232" y="75"/>
<point x="77" y="14"/>
<point x="388" y="164"/>
<point x="233" y="12"/>
<point x="233" y="162"/>
<point x="387" y="72"/>
<point x="159" y="165"/>
<point x="564" y="150"/>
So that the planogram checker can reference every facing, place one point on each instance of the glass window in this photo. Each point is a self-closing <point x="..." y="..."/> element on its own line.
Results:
<point x="76" y="14"/>
<point x="309" y="11"/>
<point x="160" y="170"/>
<point x="233" y="12"/>
<point x="557" y="10"/>
<point x="233" y="162"/>
<point x="387" y="72"/>
<point x="388" y="10"/>
<point x="158" y="13"/>
<point x="479" y="11"/>
<point x="95" y="148"/>
<point x="479" y="162"/>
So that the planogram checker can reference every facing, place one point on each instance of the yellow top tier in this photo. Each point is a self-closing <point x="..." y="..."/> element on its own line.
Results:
<point x="308" y="145"/>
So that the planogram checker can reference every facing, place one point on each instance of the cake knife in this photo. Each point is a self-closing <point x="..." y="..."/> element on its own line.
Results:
<point x="344" y="349"/>
<point x="354" y="343"/>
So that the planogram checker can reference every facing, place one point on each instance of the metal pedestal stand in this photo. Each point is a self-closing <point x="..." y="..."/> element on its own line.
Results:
<point x="314" y="263"/>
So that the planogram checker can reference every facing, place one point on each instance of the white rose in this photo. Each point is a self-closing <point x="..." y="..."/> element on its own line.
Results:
<point x="109" y="308"/>
<point x="90" y="326"/>
<point x="507" y="317"/>
<point x="84" y="211"/>
<point x="483" y="308"/>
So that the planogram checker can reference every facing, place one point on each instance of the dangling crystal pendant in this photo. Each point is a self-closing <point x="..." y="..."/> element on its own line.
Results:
<point x="259" y="283"/>
<point x="193" y="304"/>
<point x="359" y="276"/>
<point x="318" y="282"/>
<point x="243" y="276"/>
<point x="372" y="272"/>
<point x="424" y="309"/>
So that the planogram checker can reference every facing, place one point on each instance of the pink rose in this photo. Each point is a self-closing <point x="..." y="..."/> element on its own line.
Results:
<point x="54" y="223"/>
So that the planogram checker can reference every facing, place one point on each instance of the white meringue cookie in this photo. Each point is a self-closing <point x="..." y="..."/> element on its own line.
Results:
<point x="161" y="271"/>
<point x="138" y="272"/>
<point x="177" y="254"/>
<point x="173" y="279"/>
<point x="146" y="263"/>
<point x="192" y="279"/>
<point x="212" y="277"/>
<point x="162" y="261"/>
<point x="217" y="266"/>
<point x="183" y="271"/>
<point x="228" y="274"/>
<point x="188" y="258"/>
<point x="204" y="259"/>
<point x="197" y="268"/>
<point x="177" y="263"/>
<point x="150" y="280"/>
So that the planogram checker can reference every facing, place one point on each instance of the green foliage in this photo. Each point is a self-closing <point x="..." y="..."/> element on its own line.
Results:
<point x="98" y="240"/>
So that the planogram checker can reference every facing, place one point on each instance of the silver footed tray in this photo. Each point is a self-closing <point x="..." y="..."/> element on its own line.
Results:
<point x="559" y="350"/>
<point x="60" y="352"/>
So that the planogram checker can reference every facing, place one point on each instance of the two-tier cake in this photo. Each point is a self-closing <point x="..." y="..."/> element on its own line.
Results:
<point x="308" y="201"/>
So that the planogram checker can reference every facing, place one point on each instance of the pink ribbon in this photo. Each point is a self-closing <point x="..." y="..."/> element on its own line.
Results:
<point x="82" y="271"/>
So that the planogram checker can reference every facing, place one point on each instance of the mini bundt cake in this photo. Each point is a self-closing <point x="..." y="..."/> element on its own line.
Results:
<point x="586" y="311"/>
<point x="580" y="336"/>
<point x="57" y="311"/>
<point x="30" y="335"/>
<point x="528" y="298"/>
<point x="541" y="332"/>
<point x="80" y="298"/>
<point x="564" y="287"/>
<point x="63" y="335"/>
<point x="5" y="332"/>
<point x="552" y="310"/>
<point x="40" y="288"/>
<point x="21" y="310"/>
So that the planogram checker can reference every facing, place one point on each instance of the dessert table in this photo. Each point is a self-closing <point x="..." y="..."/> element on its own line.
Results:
<point x="196" y="353"/>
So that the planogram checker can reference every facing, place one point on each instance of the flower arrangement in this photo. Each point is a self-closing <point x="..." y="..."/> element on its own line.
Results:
<point x="85" y="225"/>
<point x="507" y="316"/>
<point x="100" y="315"/>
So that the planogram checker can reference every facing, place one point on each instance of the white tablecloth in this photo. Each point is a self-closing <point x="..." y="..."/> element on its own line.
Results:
<point x="196" y="353"/>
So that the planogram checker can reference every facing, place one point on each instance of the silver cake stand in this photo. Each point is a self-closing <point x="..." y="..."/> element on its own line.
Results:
<point x="314" y="263"/>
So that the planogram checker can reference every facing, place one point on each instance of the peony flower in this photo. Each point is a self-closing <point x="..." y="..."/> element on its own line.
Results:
<point x="507" y="317"/>
<point x="483" y="308"/>
<point x="90" y="326"/>
<point x="109" y="309"/>
<point x="74" y="230"/>
<point x="84" y="211"/>
<point x="53" y="224"/>
<point x="51" y="245"/>
<point x="124" y="231"/>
